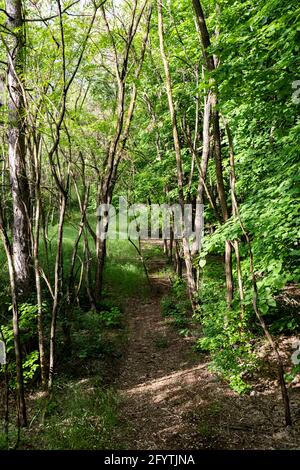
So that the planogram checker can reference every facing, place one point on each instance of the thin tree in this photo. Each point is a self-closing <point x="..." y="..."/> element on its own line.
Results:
<point x="121" y="133"/>
<point x="210" y="66"/>
<point x="21" y="405"/>
<point x="177" y="148"/>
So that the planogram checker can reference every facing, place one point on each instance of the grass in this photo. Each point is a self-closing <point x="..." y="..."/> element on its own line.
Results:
<point x="123" y="273"/>
<point x="81" y="415"/>
<point x="83" y="411"/>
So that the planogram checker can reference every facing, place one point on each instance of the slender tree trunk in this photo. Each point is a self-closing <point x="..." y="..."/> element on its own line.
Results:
<point x="21" y="405"/>
<point x="57" y="273"/>
<point x="178" y="260"/>
<point x="210" y="65"/>
<point x="168" y="83"/>
<point x="121" y="134"/>
<point x="228" y="272"/>
<point x="235" y="213"/>
<point x="202" y="170"/>
<point x="101" y="256"/>
<point x="88" y="281"/>
<point x="39" y="291"/>
<point x="36" y="149"/>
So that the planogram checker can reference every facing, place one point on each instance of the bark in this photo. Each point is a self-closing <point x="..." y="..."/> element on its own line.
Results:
<point x="195" y="129"/>
<point x="228" y="272"/>
<point x="17" y="148"/>
<point x="178" y="260"/>
<point x="21" y="405"/>
<point x="57" y="279"/>
<point x="235" y="214"/>
<point x="121" y="134"/>
<point x="176" y="141"/>
<point x="36" y="240"/>
<point x="83" y="209"/>
<point x="88" y="281"/>
<point x="202" y="167"/>
<point x="211" y="65"/>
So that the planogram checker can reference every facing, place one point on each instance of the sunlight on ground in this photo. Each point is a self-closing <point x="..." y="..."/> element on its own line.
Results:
<point x="181" y="378"/>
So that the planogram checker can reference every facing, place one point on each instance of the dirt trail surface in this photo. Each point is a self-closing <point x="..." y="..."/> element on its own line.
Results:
<point x="170" y="399"/>
<point x="156" y="383"/>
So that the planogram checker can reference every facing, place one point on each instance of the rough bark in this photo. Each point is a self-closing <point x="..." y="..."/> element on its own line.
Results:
<point x="21" y="405"/>
<point x="17" y="147"/>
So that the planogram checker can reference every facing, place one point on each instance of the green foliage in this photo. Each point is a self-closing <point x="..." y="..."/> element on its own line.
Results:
<point x="290" y="376"/>
<point x="176" y="306"/>
<point x="224" y="333"/>
<point x="111" y="318"/>
<point x="8" y="441"/>
<point x="88" y="334"/>
<point x="30" y="365"/>
<point x="256" y="43"/>
<point x="27" y="325"/>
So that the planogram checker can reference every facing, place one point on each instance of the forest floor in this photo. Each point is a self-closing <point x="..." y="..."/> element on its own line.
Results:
<point x="150" y="389"/>
<point x="171" y="400"/>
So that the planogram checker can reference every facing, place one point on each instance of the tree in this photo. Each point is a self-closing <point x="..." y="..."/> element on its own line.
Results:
<point x="15" y="46"/>
<point x="210" y="66"/>
<point x="180" y="182"/>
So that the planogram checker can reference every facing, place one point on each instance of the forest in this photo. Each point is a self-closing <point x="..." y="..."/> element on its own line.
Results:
<point x="149" y="223"/>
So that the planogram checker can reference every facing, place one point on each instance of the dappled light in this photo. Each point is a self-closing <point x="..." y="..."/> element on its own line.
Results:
<point x="149" y="229"/>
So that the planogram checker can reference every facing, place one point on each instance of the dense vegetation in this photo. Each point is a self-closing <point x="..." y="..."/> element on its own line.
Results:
<point x="175" y="101"/>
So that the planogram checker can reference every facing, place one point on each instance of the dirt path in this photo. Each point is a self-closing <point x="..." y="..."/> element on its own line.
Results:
<point x="160" y="377"/>
<point x="170" y="399"/>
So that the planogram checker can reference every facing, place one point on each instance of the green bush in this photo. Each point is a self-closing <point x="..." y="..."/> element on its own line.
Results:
<point x="224" y="333"/>
<point x="176" y="306"/>
<point x="27" y="326"/>
<point x="112" y="317"/>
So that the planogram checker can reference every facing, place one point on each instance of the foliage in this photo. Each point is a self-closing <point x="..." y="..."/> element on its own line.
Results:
<point x="176" y="306"/>
<point x="78" y="80"/>
<point x="224" y="333"/>
<point x="27" y="325"/>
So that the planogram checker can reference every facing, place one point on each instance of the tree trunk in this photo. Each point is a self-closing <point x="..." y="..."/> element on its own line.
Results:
<point x="17" y="148"/>
<point x="121" y="134"/>
<point x="235" y="212"/>
<point x="21" y="405"/>
<point x="57" y="274"/>
<point x="210" y="65"/>
<point x="168" y="83"/>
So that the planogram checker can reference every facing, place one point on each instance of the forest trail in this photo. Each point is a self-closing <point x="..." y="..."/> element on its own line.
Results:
<point x="161" y="380"/>
<point x="170" y="399"/>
